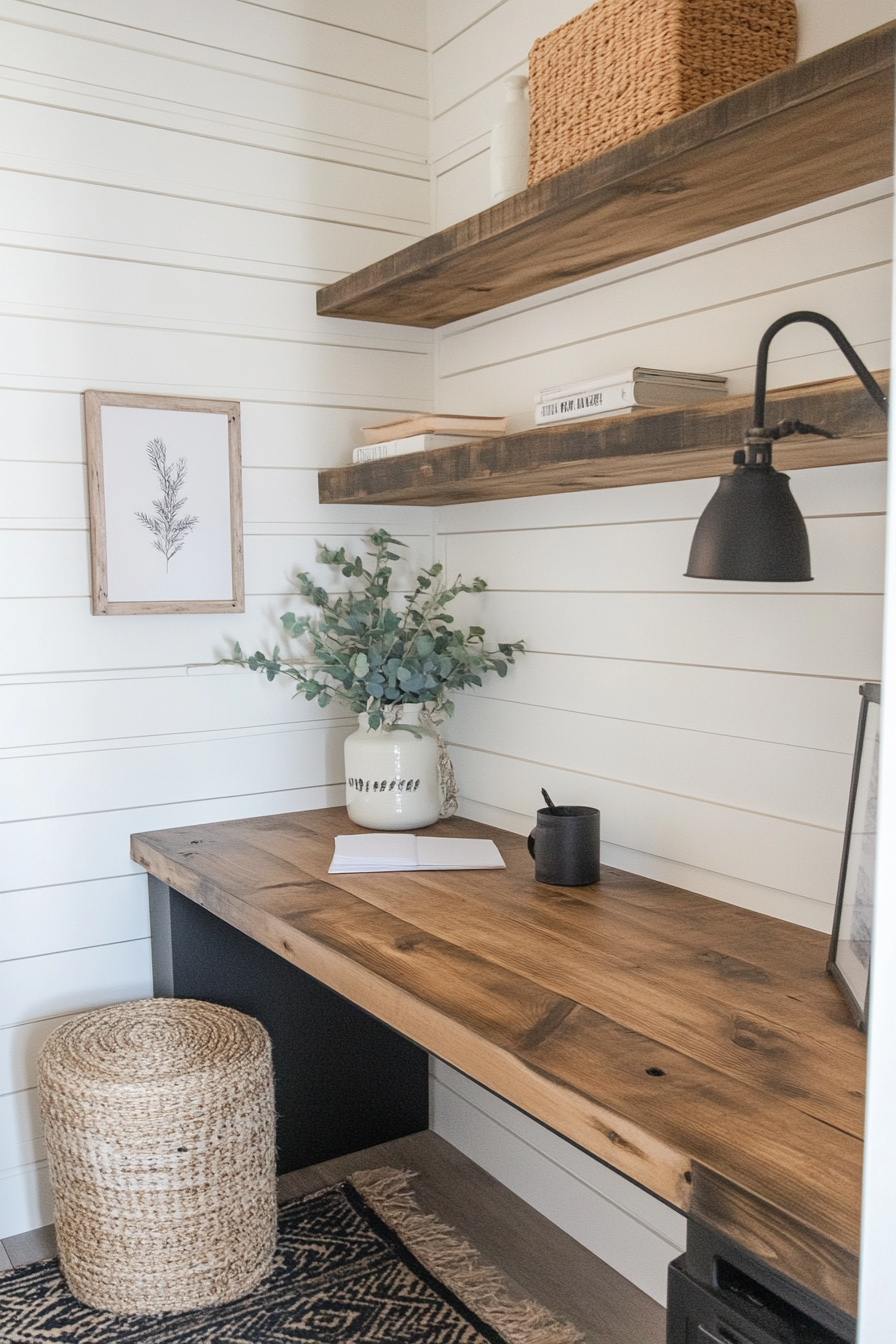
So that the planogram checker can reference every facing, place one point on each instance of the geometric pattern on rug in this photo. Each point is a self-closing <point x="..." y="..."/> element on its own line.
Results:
<point x="341" y="1276"/>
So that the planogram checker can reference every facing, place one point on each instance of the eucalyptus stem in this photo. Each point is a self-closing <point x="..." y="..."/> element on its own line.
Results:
<point x="370" y="658"/>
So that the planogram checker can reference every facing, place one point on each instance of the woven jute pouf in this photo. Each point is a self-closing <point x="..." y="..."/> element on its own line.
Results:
<point x="624" y="67"/>
<point x="159" y="1120"/>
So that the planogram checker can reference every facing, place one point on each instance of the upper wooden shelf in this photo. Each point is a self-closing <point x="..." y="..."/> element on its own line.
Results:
<point x="819" y="128"/>
<point x="643" y="447"/>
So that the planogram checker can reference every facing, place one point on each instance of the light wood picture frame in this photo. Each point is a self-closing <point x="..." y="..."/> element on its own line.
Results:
<point x="849" y="959"/>
<point x="164" y="488"/>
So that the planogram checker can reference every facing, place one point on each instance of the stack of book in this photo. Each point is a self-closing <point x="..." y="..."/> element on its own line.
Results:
<point x="619" y="393"/>
<point x="419" y="433"/>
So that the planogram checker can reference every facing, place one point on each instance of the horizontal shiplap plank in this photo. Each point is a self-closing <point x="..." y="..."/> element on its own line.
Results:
<point x="35" y="923"/>
<point x="401" y="21"/>
<point x="483" y="51"/>
<point x="793" y="783"/>
<point x="835" y="636"/>
<point x="56" y="493"/>
<point x="111" y="707"/>
<point x="89" y="847"/>
<point x="47" y="427"/>
<point x="847" y="556"/>
<point x="208" y="31"/>
<point x="19" y="1048"/>
<point x="762" y="850"/>
<point x="41" y="427"/>
<point x="177" y="228"/>
<point x="67" y="982"/>
<point x="47" y="563"/>
<point x="91" y="147"/>
<point x="146" y="775"/>
<point x="825" y="635"/>
<point x="94" y="643"/>
<point x="21" y="1132"/>
<point x="86" y="287"/>
<point x="25" y="1200"/>
<point x="142" y="84"/>
<point x="116" y="354"/>
<point x="464" y="188"/>
<point x="803" y="711"/>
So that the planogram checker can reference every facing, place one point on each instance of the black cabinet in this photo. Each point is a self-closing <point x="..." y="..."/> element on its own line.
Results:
<point x="720" y="1294"/>
<point x="343" y="1080"/>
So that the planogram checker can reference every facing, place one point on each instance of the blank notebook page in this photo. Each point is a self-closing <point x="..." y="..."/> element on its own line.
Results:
<point x="394" y="852"/>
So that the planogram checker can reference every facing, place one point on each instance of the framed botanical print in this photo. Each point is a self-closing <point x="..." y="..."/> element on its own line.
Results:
<point x="849" y="960"/>
<point x="164" y="488"/>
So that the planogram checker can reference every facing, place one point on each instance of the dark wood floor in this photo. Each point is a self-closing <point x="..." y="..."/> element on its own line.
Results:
<point x="538" y="1259"/>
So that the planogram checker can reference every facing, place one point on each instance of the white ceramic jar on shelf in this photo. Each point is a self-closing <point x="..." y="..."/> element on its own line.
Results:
<point x="509" y="156"/>
<point x="392" y="774"/>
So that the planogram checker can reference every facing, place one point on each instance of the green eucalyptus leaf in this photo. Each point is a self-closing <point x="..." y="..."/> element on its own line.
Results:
<point x="365" y="654"/>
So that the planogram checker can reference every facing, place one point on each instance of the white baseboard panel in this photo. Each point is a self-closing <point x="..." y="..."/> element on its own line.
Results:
<point x="618" y="1221"/>
<point x="25" y="1199"/>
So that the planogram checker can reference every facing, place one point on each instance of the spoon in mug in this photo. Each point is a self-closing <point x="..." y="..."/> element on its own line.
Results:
<point x="547" y="797"/>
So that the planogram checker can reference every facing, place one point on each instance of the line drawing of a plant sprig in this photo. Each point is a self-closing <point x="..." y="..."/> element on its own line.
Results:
<point x="170" y="532"/>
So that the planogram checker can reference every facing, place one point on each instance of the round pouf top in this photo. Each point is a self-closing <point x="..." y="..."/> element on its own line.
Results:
<point x="159" y="1122"/>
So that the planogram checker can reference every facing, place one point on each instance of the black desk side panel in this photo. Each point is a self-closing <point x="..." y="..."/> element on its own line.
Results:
<point x="343" y="1080"/>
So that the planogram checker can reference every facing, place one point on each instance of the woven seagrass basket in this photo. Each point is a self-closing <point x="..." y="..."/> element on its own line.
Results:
<point x="159" y="1120"/>
<point x="625" y="67"/>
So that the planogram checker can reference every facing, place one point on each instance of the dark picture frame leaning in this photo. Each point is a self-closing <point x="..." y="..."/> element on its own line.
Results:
<point x="849" y="959"/>
<point x="164" y="488"/>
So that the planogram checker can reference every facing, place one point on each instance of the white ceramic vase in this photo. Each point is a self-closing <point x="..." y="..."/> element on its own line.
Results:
<point x="392" y="775"/>
<point x="509" y="158"/>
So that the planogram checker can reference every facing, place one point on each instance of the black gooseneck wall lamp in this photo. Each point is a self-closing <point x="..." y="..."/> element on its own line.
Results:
<point x="751" y="529"/>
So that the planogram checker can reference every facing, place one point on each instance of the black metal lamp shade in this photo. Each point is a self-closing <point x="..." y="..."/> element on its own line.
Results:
<point x="752" y="530"/>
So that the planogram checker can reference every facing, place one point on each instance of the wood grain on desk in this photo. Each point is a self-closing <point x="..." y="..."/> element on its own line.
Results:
<point x="564" y="1000"/>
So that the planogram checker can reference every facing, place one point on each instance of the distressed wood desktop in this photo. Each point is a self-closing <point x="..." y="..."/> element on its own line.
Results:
<point x="694" y="1046"/>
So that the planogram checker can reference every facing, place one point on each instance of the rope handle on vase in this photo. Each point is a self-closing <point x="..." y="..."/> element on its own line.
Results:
<point x="447" y="780"/>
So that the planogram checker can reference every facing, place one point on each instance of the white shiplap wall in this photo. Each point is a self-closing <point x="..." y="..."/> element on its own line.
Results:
<point x="176" y="181"/>
<point x="712" y="723"/>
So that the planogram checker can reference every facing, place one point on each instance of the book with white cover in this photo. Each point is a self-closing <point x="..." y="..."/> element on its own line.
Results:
<point x="398" y="852"/>
<point x="635" y="375"/>
<point x="624" y="397"/>
<point x="417" y="443"/>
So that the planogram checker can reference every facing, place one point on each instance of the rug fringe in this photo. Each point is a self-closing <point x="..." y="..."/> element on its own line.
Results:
<point x="457" y="1264"/>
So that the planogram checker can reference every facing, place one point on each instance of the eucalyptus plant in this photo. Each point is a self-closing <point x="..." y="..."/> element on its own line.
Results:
<point x="373" y="657"/>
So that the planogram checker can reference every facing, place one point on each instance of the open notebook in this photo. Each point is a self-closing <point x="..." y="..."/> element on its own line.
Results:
<point x="397" y="852"/>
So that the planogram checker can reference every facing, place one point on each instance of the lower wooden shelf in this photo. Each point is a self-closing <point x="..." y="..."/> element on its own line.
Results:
<point x="672" y="444"/>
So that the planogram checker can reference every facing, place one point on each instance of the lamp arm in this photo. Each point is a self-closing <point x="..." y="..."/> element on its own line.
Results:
<point x="870" y="383"/>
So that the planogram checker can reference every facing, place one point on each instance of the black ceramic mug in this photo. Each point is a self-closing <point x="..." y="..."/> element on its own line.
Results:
<point x="566" y="846"/>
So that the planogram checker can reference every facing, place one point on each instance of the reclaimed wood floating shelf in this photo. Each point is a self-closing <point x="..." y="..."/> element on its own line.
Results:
<point x="638" y="449"/>
<point x="821" y="127"/>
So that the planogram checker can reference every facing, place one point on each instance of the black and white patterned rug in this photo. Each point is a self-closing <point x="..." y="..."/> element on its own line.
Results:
<point x="340" y="1274"/>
